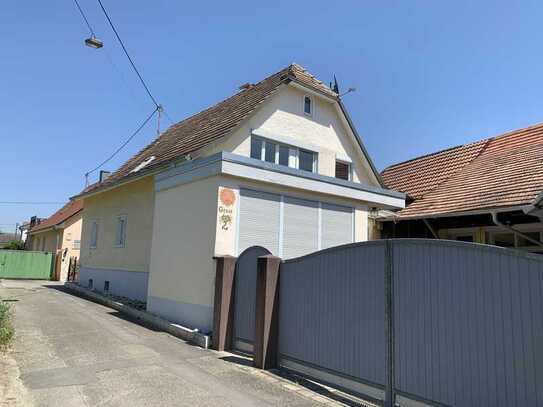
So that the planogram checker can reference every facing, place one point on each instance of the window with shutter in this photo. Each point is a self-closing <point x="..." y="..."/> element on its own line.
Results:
<point x="343" y="170"/>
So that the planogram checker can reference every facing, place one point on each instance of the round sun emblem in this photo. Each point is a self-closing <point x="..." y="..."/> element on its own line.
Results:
<point x="227" y="197"/>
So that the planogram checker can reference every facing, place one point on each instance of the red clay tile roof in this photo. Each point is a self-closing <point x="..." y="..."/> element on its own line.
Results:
<point x="502" y="171"/>
<point x="211" y="124"/>
<point x="64" y="213"/>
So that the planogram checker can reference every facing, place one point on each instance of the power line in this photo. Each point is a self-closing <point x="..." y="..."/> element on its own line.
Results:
<point x="142" y="125"/>
<point x="30" y="203"/>
<point x="128" y="55"/>
<point x="84" y="18"/>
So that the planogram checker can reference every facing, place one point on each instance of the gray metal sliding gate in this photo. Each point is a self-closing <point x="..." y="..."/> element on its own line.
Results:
<point x="430" y="321"/>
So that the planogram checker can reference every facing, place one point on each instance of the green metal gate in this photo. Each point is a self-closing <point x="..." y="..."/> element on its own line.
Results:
<point x="26" y="265"/>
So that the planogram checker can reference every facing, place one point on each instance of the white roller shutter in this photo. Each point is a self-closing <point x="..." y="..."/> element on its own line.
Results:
<point x="337" y="225"/>
<point x="300" y="227"/>
<point x="259" y="220"/>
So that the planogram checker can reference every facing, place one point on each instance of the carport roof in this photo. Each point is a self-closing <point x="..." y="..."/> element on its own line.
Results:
<point x="498" y="172"/>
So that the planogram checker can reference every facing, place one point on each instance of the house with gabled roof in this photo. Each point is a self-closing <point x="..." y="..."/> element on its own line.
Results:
<point x="279" y="164"/>
<point x="489" y="191"/>
<point x="59" y="234"/>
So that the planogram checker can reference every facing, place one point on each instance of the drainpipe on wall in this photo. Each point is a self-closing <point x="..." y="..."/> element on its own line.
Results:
<point x="511" y="229"/>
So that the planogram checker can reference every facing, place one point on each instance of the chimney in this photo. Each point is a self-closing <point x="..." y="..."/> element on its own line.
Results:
<point x="104" y="175"/>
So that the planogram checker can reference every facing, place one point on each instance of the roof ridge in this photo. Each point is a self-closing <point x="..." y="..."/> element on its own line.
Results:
<point x="485" y="140"/>
<point x="434" y="154"/>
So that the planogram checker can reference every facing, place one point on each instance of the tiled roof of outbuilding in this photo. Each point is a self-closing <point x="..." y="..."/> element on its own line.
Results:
<point x="502" y="171"/>
<point x="64" y="213"/>
<point x="211" y="124"/>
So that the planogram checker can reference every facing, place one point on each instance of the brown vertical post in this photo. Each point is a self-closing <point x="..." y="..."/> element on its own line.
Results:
<point x="267" y="312"/>
<point x="223" y="307"/>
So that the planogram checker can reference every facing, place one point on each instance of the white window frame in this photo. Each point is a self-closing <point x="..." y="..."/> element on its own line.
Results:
<point x="349" y="171"/>
<point x="293" y="161"/>
<point x="120" y="235"/>
<point x="94" y="231"/>
<point x="311" y="105"/>
<point x="76" y="244"/>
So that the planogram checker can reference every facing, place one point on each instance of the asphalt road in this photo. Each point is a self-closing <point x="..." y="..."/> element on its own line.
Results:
<point x="72" y="352"/>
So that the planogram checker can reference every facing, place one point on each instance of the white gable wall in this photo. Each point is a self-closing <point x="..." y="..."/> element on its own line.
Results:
<point x="281" y="118"/>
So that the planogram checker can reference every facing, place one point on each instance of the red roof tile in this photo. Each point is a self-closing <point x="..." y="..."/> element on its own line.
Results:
<point x="64" y="213"/>
<point x="502" y="171"/>
<point x="211" y="124"/>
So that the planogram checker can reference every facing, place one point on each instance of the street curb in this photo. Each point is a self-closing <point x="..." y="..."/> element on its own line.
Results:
<point x="178" y="331"/>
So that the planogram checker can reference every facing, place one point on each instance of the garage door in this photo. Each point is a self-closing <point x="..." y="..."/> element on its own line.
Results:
<point x="291" y="227"/>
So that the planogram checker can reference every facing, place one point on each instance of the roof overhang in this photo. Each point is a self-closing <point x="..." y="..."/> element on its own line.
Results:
<point x="234" y="165"/>
<point x="485" y="211"/>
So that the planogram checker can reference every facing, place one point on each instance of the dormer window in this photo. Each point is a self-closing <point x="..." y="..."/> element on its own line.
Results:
<point x="308" y="105"/>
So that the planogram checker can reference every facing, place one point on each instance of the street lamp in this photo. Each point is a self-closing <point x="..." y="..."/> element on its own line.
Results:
<point x="94" y="42"/>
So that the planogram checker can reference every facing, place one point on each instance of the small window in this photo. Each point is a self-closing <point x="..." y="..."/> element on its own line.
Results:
<point x="77" y="244"/>
<point x="90" y="284"/>
<point x="308" y="105"/>
<point x="120" y="238"/>
<point x="306" y="160"/>
<point x="343" y="170"/>
<point x="106" y="286"/>
<point x="93" y="234"/>
<point x="256" y="148"/>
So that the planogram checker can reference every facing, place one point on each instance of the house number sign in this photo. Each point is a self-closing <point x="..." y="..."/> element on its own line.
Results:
<point x="227" y="199"/>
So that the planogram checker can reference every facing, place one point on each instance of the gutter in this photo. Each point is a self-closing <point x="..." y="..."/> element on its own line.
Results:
<point x="512" y="229"/>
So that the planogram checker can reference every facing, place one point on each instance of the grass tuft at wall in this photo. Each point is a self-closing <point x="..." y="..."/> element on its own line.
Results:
<point x="7" y="330"/>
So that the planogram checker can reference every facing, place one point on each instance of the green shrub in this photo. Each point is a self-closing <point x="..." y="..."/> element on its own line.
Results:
<point x="15" y="245"/>
<point x="6" y="325"/>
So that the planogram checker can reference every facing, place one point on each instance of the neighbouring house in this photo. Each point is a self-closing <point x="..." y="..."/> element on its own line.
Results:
<point x="59" y="234"/>
<point x="23" y="230"/>
<point x="279" y="164"/>
<point x="489" y="192"/>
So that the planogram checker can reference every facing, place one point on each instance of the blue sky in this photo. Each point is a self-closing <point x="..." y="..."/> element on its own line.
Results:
<point x="430" y="74"/>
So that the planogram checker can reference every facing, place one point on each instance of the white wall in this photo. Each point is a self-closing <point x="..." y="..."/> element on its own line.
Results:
<point x="282" y="115"/>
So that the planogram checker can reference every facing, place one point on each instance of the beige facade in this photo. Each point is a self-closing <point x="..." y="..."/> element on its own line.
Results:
<point x="64" y="240"/>
<point x="135" y="202"/>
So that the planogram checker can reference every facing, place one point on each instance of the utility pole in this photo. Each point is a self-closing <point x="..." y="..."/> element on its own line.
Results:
<point x="159" y="109"/>
<point x="16" y="229"/>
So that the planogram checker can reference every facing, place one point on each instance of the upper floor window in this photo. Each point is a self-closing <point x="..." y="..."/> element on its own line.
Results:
<point x="343" y="170"/>
<point x="308" y="105"/>
<point x="77" y="244"/>
<point x="283" y="154"/>
<point x="120" y="237"/>
<point x="93" y="234"/>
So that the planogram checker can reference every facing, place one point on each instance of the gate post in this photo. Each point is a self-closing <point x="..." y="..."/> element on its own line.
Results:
<point x="223" y="307"/>
<point x="267" y="312"/>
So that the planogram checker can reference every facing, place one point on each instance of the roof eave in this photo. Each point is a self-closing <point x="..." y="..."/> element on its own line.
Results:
<point x="361" y="144"/>
<point x="499" y="209"/>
